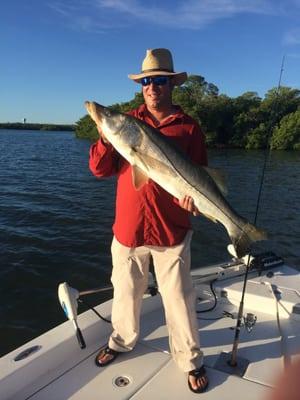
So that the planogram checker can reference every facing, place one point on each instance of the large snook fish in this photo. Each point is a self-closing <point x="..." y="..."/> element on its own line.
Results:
<point x="153" y="156"/>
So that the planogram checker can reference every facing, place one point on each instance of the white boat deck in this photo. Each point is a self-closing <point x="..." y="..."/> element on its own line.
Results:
<point x="60" y="370"/>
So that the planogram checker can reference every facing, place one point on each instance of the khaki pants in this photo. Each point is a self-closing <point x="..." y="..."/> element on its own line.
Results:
<point x="130" y="280"/>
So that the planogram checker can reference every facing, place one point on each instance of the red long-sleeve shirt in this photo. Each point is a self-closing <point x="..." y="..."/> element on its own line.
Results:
<point x="149" y="216"/>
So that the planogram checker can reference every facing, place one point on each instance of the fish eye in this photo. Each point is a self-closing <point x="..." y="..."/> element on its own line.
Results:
<point x="110" y="113"/>
<point x="107" y="112"/>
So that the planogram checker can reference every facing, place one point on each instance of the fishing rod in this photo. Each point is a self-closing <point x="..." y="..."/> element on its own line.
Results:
<point x="233" y="359"/>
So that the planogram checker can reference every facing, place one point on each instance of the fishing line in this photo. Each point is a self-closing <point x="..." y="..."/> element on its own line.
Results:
<point x="274" y="112"/>
<point x="272" y="121"/>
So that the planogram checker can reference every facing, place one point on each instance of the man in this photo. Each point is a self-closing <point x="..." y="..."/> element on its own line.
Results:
<point x="151" y="223"/>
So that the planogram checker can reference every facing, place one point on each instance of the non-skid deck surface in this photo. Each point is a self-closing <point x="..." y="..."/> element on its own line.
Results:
<point x="262" y="346"/>
<point x="171" y="384"/>
<point x="88" y="382"/>
<point x="152" y="374"/>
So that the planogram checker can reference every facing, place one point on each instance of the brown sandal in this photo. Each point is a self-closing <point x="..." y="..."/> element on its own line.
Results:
<point x="198" y="373"/>
<point x="102" y="353"/>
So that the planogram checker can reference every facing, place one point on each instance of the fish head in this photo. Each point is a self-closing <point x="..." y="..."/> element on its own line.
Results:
<point x="108" y="120"/>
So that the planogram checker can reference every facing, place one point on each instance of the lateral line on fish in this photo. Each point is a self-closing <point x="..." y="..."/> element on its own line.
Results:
<point x="193" y="186"/>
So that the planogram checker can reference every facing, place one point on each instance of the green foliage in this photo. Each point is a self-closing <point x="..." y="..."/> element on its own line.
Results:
<point x="257" y="138"/>
<point x="287" y="135"/>
<point x="191" y="94"/>
<point x="129" y="105"/>
<point x="86" y="129"/>
<point x="246" y="121"/>
<point x="216" y="115"/>
<point x="246" y="118"/>
<point x="211" y="139"/>
<point x="36" y="127"/>
<point x="278" y="103"/>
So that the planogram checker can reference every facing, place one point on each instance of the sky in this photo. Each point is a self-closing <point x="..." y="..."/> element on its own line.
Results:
<point x="55" y="54"/>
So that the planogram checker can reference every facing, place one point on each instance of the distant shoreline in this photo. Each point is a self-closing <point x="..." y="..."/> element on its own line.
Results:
<point x="37" y="127"/>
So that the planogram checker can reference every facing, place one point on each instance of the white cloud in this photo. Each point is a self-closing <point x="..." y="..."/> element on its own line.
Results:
<point x="293" y="55"/>
<point x="292" y="37"/>
<point x="189" y="14"/>
<point x="84" y="16"/>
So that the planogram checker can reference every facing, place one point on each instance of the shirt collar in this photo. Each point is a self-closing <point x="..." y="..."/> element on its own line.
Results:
<point x="143" y="114"/>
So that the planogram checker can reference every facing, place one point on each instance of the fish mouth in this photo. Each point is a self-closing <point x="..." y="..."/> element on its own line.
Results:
<point x="95" y="110"/>
<point x="89" y="105"/>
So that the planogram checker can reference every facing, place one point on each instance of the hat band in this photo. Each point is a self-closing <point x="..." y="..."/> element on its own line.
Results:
<point x="157" y="69"/>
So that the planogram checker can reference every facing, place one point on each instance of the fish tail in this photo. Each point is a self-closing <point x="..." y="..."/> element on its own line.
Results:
<point x="242" y="238"/>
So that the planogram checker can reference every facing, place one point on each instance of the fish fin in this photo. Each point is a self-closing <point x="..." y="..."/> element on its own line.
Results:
<point x="139" y="178"/>
<point x="242" y="238"/>
<point x="156" y="164"/>
<point x="150" y="162"/>
<point x="219" y="178"/>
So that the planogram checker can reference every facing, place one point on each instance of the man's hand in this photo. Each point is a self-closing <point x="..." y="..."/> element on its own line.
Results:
<point x="101" y="134"/>
<point x="188" y="204"/>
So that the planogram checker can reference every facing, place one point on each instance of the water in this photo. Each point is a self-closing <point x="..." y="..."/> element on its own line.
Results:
<point x="55" y="222"/>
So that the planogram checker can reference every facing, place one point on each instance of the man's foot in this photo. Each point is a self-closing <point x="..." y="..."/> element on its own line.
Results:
<point x="197" y="380"/>
<point x="105" y="356"/>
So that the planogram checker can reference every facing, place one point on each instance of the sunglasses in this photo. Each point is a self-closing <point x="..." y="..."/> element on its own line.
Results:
<point x="156" y="80"/>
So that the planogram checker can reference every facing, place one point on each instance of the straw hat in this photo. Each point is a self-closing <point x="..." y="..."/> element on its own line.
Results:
<point x="159" y="62"/>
